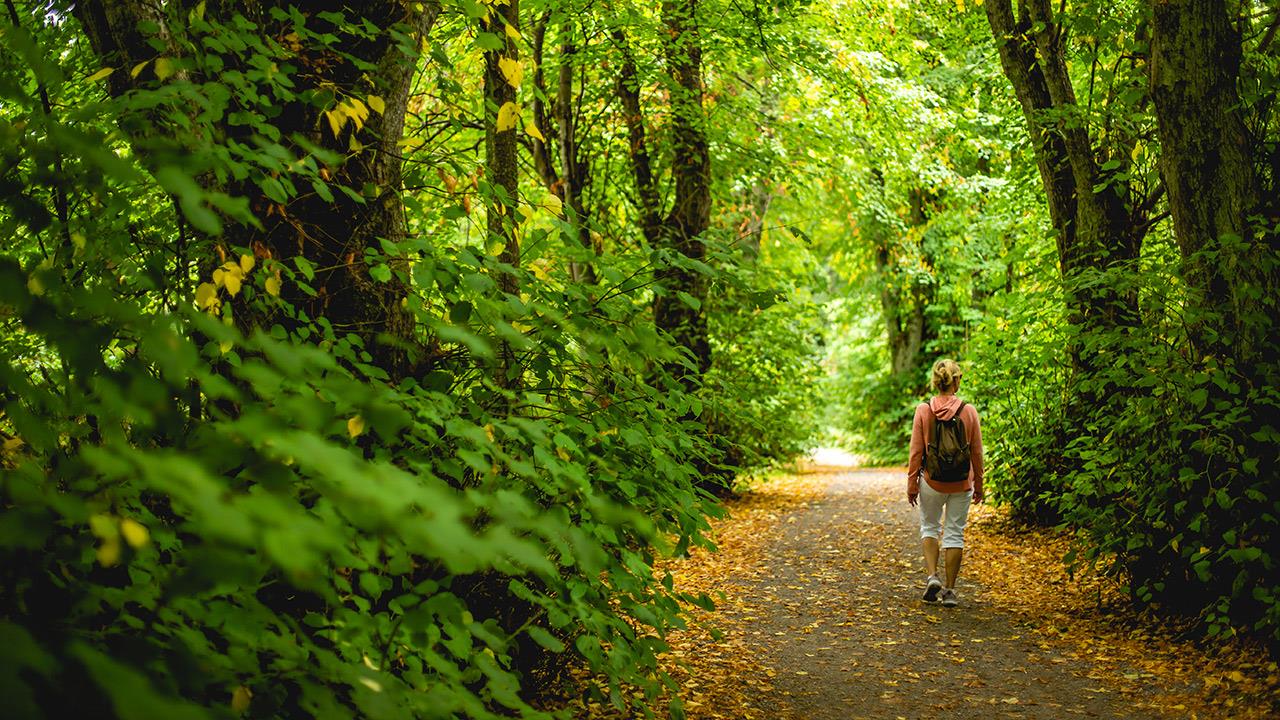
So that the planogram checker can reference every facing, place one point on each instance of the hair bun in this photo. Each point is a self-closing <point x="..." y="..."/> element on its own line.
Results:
<point x="946" y="375"/>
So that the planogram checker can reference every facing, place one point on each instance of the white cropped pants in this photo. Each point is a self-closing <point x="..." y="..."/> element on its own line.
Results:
<point x="934" y="506"/>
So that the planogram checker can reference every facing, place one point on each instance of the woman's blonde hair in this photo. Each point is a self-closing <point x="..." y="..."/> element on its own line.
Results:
<point x="946" y="375"/>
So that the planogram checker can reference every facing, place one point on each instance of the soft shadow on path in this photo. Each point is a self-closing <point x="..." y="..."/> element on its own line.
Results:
<point x="836" y="615"/>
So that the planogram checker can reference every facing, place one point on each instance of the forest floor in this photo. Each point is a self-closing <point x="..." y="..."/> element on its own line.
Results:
<point x="818" y="582"/>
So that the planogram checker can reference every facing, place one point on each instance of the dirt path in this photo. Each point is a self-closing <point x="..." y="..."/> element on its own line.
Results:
<point x="833" y="614"/>
<point x="817" y="583"/>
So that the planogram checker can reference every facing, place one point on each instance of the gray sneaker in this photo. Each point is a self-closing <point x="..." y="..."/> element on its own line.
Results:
<point x="949" y="598"/>
<point x="932" y="588"/>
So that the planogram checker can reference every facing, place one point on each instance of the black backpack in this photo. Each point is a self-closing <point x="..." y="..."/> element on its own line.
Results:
<point x="946" y="455"/>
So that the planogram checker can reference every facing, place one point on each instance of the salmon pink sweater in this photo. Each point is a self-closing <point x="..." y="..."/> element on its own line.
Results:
<point x="944" y="408"/>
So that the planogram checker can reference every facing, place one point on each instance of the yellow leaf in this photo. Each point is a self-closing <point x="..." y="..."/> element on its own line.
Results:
<point x="206" y="295"/>
<point x="534" y="131"/>
<point x="512" y="70"/>
<point x="240" y="698"/>
<point x="134" y="532"/>
<point x="507" y="116"/>
<point x="960" y="5"/>
<point x="225" y="346"/>
<point x="246" y="263"/>
<point x="137" y="69"/>
<point x="219" y="276"/>
<point x="35" y="285"/>
<point x="488" y="431"/>
<point x="109" y="552"/>
<point x="164" y="68"/>
<point x="355" y="426"/>
<point x="100" y="75"/>
<point x="564" y="454"/>
<point x="1235" y="676"/>
<point x="357" y="111"/>
<point x="554" y="204"/>
<point x="512" y="32"/>
<point x="232" y="281"/>
<point x="376" y="103"/>
<point x="273" y="286"/>
<point x="336" y="120"/>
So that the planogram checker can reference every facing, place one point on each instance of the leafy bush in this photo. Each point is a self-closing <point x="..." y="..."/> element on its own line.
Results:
<point x="763" y="384"/>
<point x="1018" y="376"/>
<point x="217" y="504"/>
<point x="1167" y="479"/>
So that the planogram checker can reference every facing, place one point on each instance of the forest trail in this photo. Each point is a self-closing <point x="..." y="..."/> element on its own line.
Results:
<point x="822" y="618"/>
<point x="841" y="622"/>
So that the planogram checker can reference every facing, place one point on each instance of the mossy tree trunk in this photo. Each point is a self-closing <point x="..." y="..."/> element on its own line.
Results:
<point x="690" y="213"/>
<point x="1207" y="164"/>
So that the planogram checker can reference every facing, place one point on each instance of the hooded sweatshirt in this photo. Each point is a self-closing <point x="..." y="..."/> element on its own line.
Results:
<point x="944" y="407"/>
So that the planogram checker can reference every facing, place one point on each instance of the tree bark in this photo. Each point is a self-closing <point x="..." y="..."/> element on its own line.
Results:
<point x="1207" y="167"/>
<point x="332" y="235"/>
<point x="502" y="173"/>
<point x="903" y="300"/>
<point x="628" y="88"/>
<point x="566" y="174"/>
<point x="501" y="169"/>
<point x="690" y="214"/>
<point x="1095" y="231"/>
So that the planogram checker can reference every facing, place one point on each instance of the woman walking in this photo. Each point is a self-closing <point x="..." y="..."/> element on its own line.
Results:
<point x="946" y="452"/>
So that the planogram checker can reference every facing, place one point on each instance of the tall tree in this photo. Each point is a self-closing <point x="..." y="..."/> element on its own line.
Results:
<point x="344" y="99"/>
<point x="690" y="214"/>
<point x="677" y="306"/>
<point x="558" y="158"/>
<point x="1097" y="224"/>
<point x="1207" y="162"/>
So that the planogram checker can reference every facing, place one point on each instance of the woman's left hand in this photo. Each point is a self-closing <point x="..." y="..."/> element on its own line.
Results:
<point x="978" y="497"/>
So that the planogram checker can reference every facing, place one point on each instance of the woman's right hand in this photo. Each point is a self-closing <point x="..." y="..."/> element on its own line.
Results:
<point x="912" y="498"/>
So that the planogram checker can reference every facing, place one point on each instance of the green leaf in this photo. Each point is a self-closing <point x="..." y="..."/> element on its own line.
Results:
<point x="545" y="639"/>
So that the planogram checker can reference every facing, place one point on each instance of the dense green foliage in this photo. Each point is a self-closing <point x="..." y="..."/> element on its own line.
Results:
<point x="219" y="500"/>
<point x="363" y="362"/>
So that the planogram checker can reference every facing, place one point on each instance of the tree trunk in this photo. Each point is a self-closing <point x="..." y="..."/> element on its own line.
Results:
<point x="1206" y="164"/>
<point x="501" y="170"/>
<point x="568" y="177"/>
<point x="690" y="214"/>
<point x="332" y="235"/>
<point x="903" y="301"/>
<point x="628" y="87"/>
<point x="1094" y="229"/>
<point x="502" y="174"/>
<point x="573" y="169"/>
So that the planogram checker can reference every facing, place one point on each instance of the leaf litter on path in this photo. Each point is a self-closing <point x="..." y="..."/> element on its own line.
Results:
<point x="818" y="616"/>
